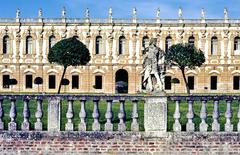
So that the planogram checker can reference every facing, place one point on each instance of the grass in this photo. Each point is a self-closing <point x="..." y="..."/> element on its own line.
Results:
<point x="115" y="108"/>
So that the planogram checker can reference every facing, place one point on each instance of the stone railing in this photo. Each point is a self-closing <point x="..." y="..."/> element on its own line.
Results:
<point x="201" y="113"/>
<point x="117" y="20"/>
<point x="154" y="117"/>
<point x="214" y="112"/>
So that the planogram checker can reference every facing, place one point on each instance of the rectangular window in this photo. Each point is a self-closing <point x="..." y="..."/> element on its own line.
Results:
<point x="75" y="82"/>
<point x="98" y="82"/>
<point x="236" y="80"/>
<point x="52" y="82"/>
<point x="168" y="84"/>
<point x="213" y="82"/>
<point x="191" y="82"/>
<point x="28" y="82"/>
<point x="6" y="81"/>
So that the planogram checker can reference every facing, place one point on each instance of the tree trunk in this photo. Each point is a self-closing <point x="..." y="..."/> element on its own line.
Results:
<point x="60" y="85"/>
<point x="185" y="80"/>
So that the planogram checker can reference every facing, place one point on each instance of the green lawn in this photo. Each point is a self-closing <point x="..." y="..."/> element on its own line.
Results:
<point x="128" y="108"/>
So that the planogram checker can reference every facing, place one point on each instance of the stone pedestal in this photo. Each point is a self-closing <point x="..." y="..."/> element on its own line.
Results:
<point x="155" y="114"/>
<point x="54" y="114"/>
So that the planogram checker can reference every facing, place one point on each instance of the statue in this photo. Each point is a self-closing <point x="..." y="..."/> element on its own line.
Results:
<point x="134" y="13"/>
<point x="152" y="67"/>
<point x="40" y="13"/>
<point x="18" y="13"/>
<point x="202" y="13"/>
<point x="63" y="12"/>
<point x="180" y="13"/>
<point x="110" y="13"/>
<point x="87" y="13"/>
<point x="158" y="13"/>
<point x="225" y="14"/>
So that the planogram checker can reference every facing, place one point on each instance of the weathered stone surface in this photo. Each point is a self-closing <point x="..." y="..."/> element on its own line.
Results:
<point x="155" y="114"/>
<point x="54" y="114"/>
<point x="38" y="126"/>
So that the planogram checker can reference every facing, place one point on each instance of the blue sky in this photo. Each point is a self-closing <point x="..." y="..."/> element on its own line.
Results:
<point x="121" y="8"/>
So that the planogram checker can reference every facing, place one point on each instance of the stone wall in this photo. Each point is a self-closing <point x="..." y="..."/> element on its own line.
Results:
<point x="118" y="143"/>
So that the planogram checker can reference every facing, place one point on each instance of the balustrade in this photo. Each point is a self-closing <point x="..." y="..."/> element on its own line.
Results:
<point x="207" y="117"/>
<point x="109" y="113"/>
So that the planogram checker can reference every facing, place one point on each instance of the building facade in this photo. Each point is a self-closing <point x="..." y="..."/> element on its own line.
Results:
<point x="116" y="47"/>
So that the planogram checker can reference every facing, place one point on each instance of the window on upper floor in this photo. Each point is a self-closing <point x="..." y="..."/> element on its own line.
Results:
<point x="237" y="46"/>
<point x="168" y="43"/>
<point x="214" y="45"/>
<point x="29" y="45"/>
<point x="191" y="40"/>
<point x="6" y="44"/>
<point x="145" y="42"/>
<point x="121" y="45"/>
<point x="99" y="45"/>
<point x="52" y="41"/>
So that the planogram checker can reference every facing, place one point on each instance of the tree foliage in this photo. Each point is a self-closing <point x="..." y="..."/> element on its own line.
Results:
<point x="69" y="52"/>
<point x="184" y="56"/>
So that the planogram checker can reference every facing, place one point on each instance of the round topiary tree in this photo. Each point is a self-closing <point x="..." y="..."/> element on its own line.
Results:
<point x="69" y="52"/>
<point x="184" y="56"/>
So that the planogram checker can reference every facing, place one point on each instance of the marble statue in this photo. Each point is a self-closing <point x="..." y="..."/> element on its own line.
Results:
<point x="40" y="13"/>
<point x="225" y="13"/>
<point x="158" y="13"/>
<point x="134" y="13"/>
<point x="18" y="13"/>
<point x="87" y="13"/>
<point x="152" y="69"/>
<point x="63" y="12"/>
<point x="110" y="12"/>
<point x="202" y="13"/>
<point x="180" y="13"/>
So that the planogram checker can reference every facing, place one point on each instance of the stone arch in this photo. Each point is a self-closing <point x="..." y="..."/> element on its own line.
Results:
<point x="121" y="81"/>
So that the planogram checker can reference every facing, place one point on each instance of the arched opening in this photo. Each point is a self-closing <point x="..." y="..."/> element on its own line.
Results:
<point x="121" y="81"/>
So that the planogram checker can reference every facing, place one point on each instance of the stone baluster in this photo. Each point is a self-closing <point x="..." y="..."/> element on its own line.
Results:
<point x="177" y="126"/>
<point x="39" y="113"/>
<point x="82" y="114"/>
<point x="238" y="126"/>
<point x="69" y="115"/>
<point x="95" y="115"/>
<point x="1" y="114"/>
<point x="26" y="115"/>
<point x="215" y="124"/>
<point x="134" y="124"/>
<point x="190" y="115"/>
<point x="13" y="112"/>
<point x="109" y="116"/>
<point x="228" y="114"/>
<point x="121" y="116"/>
<point x="203" y="115"/>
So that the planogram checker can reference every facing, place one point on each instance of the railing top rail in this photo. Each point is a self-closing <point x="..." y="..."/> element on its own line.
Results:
<point x="76" y="96"/>
<point x="120" y="20"/>
<point x="204" y="97"/>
